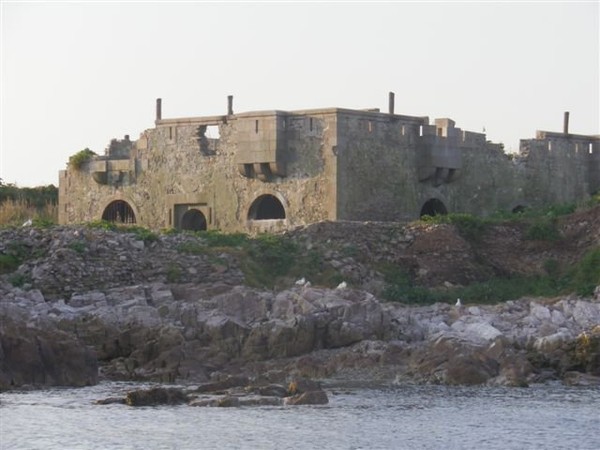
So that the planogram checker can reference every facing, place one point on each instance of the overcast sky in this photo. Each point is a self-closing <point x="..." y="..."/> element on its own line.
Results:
<point x="75" y="75"/>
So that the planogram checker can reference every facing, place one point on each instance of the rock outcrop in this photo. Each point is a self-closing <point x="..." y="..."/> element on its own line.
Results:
<point x="89" y="304"/>
<point x="195" y="332"/>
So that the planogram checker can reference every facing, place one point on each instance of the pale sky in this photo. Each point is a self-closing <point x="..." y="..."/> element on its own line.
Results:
<point x="76" y="75"/>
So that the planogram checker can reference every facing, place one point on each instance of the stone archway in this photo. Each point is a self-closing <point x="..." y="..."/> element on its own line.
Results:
<point x="193" y="220"/>
<point x="119" y="211"/>
<point x="266" y="207"/>
<point x="433" y="207"/>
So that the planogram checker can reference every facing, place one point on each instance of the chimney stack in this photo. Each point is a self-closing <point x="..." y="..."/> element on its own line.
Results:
<point x="391" y="103"/>
<point x="230" y="105"/>
<point x="158" y="109"/>
<point x="566" y="123"/>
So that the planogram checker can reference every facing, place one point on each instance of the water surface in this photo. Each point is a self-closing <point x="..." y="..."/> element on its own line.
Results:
<point x="384" y="417"/>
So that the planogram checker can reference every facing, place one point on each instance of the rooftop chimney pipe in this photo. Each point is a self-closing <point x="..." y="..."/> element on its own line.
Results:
<point x="566" y="123"/>
<point x="391" y="103"/>
<point x="158" y="109"/>
<point x="230" y="105"/>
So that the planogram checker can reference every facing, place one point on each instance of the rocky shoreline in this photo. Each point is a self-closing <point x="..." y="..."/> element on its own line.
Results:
<point x="206" y="332"/>
<point x="97" y="305"/>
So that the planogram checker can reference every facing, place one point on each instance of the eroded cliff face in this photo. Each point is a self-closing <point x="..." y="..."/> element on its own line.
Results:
<point x="91" y="304"/>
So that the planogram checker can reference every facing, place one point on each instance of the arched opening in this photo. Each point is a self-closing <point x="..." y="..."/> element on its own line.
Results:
<point x="119" y="211"/>
<point x="433" y="207"/>
<point x="193" y="220"/>
<point x="266" y="207"/>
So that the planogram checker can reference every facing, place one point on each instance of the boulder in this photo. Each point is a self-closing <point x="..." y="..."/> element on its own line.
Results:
<point x="156" y="396"/>
<point x="452" y="361"/>
<point x="307" y="398"/>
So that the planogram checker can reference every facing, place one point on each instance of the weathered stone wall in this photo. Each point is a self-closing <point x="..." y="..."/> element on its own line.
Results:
<point x="560" y="168"/>
<point x="385" y="175"/>
<point x="377" y="163"/>
<point x="173" y="171"/>
<point x="329" y="164"/>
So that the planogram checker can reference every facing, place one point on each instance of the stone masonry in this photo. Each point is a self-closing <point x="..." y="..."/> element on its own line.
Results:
<point x="275" y="170"/>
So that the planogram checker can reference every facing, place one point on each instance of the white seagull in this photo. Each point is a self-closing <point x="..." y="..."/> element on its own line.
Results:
<point x="458" y="302"/>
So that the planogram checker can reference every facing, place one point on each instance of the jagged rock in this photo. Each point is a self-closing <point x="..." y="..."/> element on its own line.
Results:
<point x="455" y="362"/>
<point x="43" y="357"/>
<point x="156" y="396"/>
<point x="307" y="398"/>
<point x="580" y="379"/>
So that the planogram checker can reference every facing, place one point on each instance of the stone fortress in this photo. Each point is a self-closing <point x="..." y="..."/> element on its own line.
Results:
<point x="275" y="170"/>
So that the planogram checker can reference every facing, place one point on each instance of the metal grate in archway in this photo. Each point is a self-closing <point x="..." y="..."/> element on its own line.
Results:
<point x="119" y="211"/>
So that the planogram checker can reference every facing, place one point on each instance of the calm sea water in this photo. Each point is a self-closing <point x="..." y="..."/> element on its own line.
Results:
<point x="399" y="417"/>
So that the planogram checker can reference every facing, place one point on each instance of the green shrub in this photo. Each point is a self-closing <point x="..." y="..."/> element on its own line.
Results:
<point x="77" y="246"/>
<point x="141" y="233"/>
<point x="585" y="276"/>
<point x="18" y="279"/>
<point x="102" y="225"/>
<point x="545" y="229"/>
<point x="78" y="160"/>
<point x="215" y="238"/>
<point x="174" y="273"/>
<point x="8" y="263"/>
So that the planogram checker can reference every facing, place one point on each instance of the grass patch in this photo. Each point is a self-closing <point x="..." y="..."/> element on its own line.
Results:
<point x="268" y="257"/>
<point x="469" y="227"/>
<point x="141" y="233"/>
<point x="102" y="225"/>
<point x="581" y="278"/>
<point x="218" y="239"/>
<point x="17" y="212"/>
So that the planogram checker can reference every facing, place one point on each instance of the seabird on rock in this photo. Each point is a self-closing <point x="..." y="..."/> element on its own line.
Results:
<point x="342" y="285"/>
<point x="458" y="302"/>
<point x="301" y="281"/>
<point x="28" y="223"/>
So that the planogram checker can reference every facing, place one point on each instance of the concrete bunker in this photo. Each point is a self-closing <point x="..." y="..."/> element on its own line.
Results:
<point x="433" y="207"/>
<point x="193" y="220"/>
<point x="119" y="211"/>
<point x="266" y="207"/>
